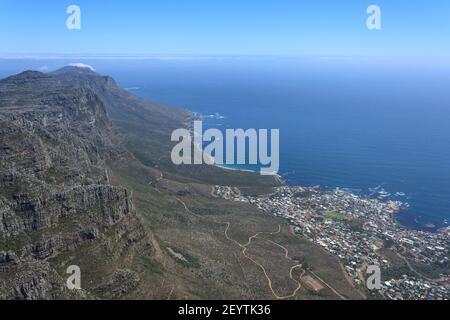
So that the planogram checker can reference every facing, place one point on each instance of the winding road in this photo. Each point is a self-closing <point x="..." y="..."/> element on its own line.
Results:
<point x="244" y="248"/>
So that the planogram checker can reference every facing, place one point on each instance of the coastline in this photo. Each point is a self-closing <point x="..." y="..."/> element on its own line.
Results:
<point x="394" y="215"/>
<point x="278" y="178"/>
<point x="424" y="226"/>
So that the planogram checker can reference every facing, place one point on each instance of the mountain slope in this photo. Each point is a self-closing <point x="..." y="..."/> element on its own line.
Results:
<point x="55" y="196"/>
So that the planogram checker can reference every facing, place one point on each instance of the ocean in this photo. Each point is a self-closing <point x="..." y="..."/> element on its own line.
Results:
<point x="376" y="129"/>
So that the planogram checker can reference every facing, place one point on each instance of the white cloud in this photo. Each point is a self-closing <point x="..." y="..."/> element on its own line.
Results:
<point x="43" y="68"/>
<point x="82" y="65"/>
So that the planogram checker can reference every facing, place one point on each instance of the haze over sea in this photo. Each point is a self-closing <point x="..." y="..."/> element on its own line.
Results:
<point x="380" y="129"/>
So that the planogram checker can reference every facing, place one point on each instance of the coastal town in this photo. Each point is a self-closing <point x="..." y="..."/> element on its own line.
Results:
<point x="362" y="232"/>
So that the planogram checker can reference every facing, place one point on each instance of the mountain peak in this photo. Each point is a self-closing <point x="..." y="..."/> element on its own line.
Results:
<point x="29" y="74"/>
<point x="80" y="68"/>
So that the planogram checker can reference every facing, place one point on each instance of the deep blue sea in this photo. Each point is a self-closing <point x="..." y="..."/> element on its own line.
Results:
<point x="380" y="129"/>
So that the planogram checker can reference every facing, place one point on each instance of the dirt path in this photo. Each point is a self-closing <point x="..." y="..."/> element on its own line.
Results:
<point x="328" y="286"/>
<point x="269" y="280"/>
<point x="244" y="248"/>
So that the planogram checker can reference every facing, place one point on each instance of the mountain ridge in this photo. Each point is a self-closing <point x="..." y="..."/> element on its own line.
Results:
<point x="54" y="186"/>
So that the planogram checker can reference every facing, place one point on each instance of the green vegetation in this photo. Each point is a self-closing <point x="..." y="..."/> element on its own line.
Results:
<point x="432" y="271"/>
<point x="152" y="266"/>
<point x="336" y="216"/>
<point x="388" y="243"/>
<point x="14" y="243"/>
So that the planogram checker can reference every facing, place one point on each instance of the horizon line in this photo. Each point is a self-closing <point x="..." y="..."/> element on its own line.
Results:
<point x="50" y="56"/>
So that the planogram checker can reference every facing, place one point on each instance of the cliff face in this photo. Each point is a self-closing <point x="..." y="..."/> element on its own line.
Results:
<point x="56" y="202"/>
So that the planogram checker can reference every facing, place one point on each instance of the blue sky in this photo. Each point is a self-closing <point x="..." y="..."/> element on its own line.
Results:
<point x="411" y="28"/>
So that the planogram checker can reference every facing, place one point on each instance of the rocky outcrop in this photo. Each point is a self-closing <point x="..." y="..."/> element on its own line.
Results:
<point x="33" y="279"/>
<point x="118" y="284"/>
